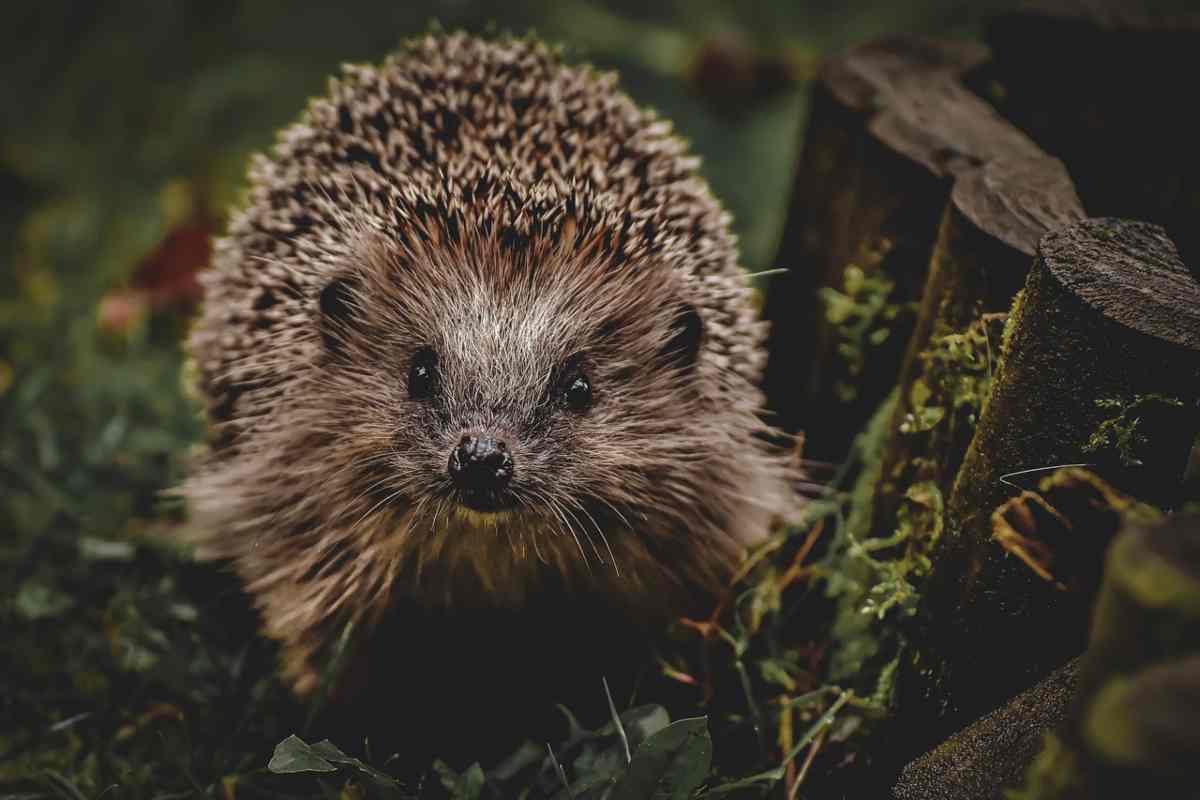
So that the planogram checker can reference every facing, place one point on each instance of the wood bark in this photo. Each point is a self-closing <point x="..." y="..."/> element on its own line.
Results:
<point x="1101" y="365"/>
<point x="891" y="127"/>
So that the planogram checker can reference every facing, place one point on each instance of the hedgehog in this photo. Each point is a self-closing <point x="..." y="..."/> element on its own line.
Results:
<point x="478" y="341"/>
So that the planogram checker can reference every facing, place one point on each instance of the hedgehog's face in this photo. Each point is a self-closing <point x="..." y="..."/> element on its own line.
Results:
<point x="485" y="428"/>
<point x="548" y="405"/>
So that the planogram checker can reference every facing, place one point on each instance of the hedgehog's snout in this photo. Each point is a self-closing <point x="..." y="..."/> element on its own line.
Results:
<point x="481" y="467"/>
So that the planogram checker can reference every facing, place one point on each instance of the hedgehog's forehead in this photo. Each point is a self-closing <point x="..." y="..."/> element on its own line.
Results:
<point x="531" y="293"/>
<point x="490" y="320"/>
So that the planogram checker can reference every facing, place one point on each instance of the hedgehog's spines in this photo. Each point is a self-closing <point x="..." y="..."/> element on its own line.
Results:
<point x="463" y="171"/>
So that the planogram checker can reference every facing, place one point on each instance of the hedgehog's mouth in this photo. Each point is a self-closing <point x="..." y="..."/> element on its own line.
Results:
<point x="486" y="501"/>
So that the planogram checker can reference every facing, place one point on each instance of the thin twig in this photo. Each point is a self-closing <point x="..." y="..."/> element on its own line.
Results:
<point x="808" y="760"/>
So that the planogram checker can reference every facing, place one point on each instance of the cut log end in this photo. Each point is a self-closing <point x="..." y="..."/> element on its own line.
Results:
<point x="1018" y="201"/>
<point x="1130" y="273"/>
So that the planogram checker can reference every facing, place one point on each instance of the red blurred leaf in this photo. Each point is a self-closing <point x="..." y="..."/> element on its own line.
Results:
<point x="168" y="275"/>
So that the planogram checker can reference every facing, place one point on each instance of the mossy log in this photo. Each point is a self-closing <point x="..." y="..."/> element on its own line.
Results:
<point x="985" y="247"/>
<point x="995" y="751"/>
<point x="890" y="127"/>
<point x="1092" y="81"/>
<point x="1134" y="728"/>
<point x="1101" y="364"/>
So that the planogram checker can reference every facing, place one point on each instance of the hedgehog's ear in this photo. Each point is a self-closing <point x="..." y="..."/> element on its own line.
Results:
<point x="339" y="312"/>
<point x="685" y="337"/>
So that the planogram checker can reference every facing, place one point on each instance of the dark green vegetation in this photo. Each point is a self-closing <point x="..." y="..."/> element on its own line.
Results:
<point x="126" y="670"/>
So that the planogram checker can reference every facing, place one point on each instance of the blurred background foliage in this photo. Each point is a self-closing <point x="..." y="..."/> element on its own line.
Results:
<point x="124" y="133"/>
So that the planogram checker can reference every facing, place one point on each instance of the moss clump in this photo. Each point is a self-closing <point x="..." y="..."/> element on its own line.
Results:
<point x="861" y="313"/>
<point x="1122" y="432"/>
<point x="891" y="566"/>
<point x="919" y="526"/>
<point x="956" y="374"/>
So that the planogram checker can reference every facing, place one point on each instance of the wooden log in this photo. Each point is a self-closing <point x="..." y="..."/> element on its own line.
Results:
<point x="1094" y="83"/>
<point x="1101" y="365"/>
<point x="994" y="752"/>
<point x="985" y="248"/>
<point x="1134" y="729"/>
<point x="890" y="127"/>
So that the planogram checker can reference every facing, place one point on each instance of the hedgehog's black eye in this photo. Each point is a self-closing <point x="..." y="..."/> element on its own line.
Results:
<point x="576" y="391"/>
<point x="423" y="374"/>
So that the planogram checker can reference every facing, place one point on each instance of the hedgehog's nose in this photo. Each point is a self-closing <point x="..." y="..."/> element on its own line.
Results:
<point x="481" y="464"/>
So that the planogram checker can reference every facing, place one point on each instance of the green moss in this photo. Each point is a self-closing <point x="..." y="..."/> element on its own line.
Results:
<point x="881" y="577"/>
<point x="901" y="560"/>
<point x="943" y="403"/>
<point x="1122" y="431"/>
<point x="861" y="314"/>
<point x="869" y="577"/>
<point x="1014" y="314"/>
<point x="956" y="375"/>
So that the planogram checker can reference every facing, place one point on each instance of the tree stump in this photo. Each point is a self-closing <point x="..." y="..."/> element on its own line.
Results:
<point x="891" y="125"/>
<point x="1093" y="83"/>
<point x="985" y="248"/>
<point x="1134" y="728"/>
<point x="1101" y="365"/>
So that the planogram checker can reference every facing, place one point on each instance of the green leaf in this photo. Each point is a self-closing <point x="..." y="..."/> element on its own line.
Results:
<point x="642" y="722"/>
<point x="776" y="671"/>
<point x="36" y="601"/>
<point x="669" y="765"/>
<point x="526" y="756"/>
<point x="470" y="785"/>
<point x="293" y="754"/>
<point x="467" y="785"/>
<point x="332" y="753"/>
